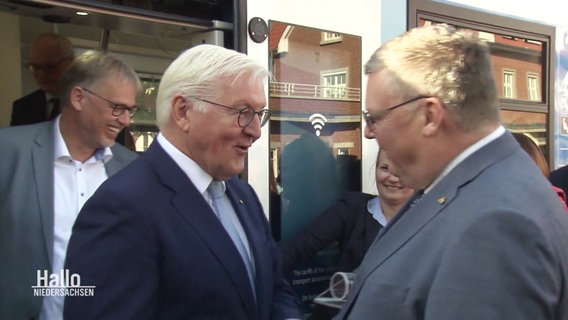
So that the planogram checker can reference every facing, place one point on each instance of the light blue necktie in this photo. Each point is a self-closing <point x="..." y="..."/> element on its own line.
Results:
<point x="223" y="210"/>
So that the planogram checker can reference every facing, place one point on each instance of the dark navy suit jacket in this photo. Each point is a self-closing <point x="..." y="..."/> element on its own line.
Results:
<point x="31" y="108"/>
<point x="154" y="249"/>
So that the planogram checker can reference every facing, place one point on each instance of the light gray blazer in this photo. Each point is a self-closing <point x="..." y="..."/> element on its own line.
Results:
<point x="26" y="212"/>
<point x="490" y="241"/>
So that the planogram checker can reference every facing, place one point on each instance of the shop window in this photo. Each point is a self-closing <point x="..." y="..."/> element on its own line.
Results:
<point x="518" y="48"/>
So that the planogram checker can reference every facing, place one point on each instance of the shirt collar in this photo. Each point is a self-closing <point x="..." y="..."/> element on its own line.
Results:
<point x="49" y="96"/>
<point x="193" y="171"/>
<point x="374" y="208"/>
<point x="62" y="152"/>
<point x="466" y="153"/>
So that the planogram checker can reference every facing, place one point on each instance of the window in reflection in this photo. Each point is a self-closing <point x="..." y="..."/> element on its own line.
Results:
<point x="330" y="37"/>
<point x="533" y="86"/>
<point x="509" y="84"/>
<point x="519" y="71"/>
<point x="514" y="60"/>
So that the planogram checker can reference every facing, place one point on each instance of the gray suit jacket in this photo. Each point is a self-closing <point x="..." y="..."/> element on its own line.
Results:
<point x="490" y="241"/>
<point x="26" y="212"/>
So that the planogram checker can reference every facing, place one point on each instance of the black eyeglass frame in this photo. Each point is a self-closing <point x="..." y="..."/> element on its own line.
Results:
<point x="48" y="67"/>
<point x="373" y="119"/>
<point x="117" y="108"/>
<point x="263" y="115"/>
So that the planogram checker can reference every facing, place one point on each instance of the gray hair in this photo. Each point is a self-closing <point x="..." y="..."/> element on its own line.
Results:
<point x="93" y="67"/>
<point x="452" y="65"/>
<point x="63" y="44"/>
<point x="196" y="73"/>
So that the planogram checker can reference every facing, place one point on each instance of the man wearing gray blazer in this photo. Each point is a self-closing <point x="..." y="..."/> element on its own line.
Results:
<point x="48" y="170"/>
<point x="484" y="237"/>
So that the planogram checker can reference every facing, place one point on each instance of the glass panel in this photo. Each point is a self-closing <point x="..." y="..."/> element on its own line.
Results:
<point x="533" y="124"/>
<point x="513" y="56"/>
<point x="561" y="99"/>
<point x="142" y="125"/>
<point x="315" y="136"/>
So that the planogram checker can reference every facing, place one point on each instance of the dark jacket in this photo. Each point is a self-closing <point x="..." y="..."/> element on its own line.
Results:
<point x="31" y="108"/>
<point x="347" y="221"/>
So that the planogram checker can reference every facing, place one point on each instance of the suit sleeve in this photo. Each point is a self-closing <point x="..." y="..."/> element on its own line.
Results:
<point x="494" y="264"/>
<point x="116" y="253"/>
<point x="325" y="229"/>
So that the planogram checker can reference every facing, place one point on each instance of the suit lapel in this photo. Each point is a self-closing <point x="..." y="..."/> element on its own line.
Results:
<point x="191" y="205"/>
<point x="411" y="220"/>
<point x="42" y="160"/>
<point x="407" y="223"/>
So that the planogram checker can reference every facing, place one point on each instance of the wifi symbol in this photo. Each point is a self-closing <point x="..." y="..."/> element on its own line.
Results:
<point x="318" y="121"/>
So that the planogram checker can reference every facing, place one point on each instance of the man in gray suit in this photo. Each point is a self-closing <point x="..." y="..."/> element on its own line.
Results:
<point x="487" y="239"/>
<point x="48" y="171"/>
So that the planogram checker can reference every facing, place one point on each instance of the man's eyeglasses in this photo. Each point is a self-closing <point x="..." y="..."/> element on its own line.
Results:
<point x="246" y="114"/>
<point x="117" y="109"/>
<point x="372" y="119"/>
<point x="48" y="67"/>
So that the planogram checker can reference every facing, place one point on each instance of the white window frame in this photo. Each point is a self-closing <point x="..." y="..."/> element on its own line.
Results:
<point x="533" y="82"/>
<point x="509" y="81"/>
<point x="334" y="89"/>
<point x="330" y="37"/>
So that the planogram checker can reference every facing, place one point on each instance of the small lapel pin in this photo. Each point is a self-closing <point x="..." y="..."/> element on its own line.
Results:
<point x="241" y="201"/>
<point x="442" y="200"/>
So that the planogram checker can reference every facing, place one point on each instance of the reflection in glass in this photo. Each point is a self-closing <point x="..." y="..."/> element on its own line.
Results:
<point x="315" y="136"/>
<point x="533" y="124"/>
<point x="309" y="180"/>
<point x="561" y="99"/>
<point x="315" y="98"/>
<point x="517" y="65"/>
<point x="518" y="69"/>
<point x="142" y="125"/>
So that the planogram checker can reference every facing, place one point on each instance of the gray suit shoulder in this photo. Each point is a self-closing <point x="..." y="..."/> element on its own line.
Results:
<point x="123" y="154"/>
<point x="18" y="136"/>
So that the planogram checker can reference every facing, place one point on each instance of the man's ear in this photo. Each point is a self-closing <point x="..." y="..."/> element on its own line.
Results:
<point x="435" y="116"/>
<point x="77" y="98"/>
<point x="180" y="112"/>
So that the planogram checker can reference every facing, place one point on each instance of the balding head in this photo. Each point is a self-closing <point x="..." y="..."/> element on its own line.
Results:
<point x="49" y="56"/>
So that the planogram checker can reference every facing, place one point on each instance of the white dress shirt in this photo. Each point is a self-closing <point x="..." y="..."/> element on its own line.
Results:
<point x="73" y="183"/>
